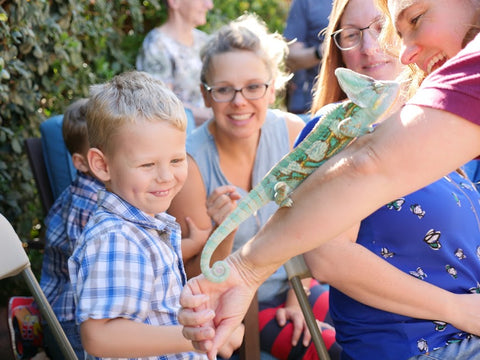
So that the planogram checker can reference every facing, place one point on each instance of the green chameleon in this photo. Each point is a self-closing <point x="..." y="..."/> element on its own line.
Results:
<point x="341" y="123"/>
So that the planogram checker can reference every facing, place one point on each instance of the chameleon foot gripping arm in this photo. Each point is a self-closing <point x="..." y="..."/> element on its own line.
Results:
<point x="340" y="124"/>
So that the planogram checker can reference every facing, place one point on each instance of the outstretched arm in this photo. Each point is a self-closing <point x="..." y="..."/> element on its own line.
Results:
<point x="403" y="154"/>
<point x="407" y="151"/>
<point x="125" y="338"/>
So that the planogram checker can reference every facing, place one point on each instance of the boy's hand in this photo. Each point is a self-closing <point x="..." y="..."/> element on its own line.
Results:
<point x="211" y="312"/>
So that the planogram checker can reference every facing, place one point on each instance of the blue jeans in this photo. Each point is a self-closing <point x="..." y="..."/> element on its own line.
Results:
<point x="72" y="332"/>
<point x="468" y="349"/>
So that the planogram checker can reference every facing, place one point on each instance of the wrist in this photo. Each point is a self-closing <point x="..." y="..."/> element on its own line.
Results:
<point x="318" y="53"/>
<point x="253" y="273"/>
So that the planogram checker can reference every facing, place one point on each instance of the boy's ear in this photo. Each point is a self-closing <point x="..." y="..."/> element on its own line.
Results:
<point x="98" y="164"/>
<point x="80" y="162"/>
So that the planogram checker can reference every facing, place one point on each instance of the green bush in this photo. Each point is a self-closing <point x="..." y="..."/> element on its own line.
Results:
<point x="51" y="51"/>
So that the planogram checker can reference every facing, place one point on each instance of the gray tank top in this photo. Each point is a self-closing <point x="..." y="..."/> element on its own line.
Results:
<point x="273" y="145"/>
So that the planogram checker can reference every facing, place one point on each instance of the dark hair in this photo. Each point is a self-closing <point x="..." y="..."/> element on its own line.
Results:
<point x="74" y="127"/>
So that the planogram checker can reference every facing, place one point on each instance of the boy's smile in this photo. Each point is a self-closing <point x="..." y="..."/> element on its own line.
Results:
<point x="148" y="165"/>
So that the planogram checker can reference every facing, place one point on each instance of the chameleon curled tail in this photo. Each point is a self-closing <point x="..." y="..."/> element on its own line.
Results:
<point x="340" y="124"/>
<point x="246" y="207"/>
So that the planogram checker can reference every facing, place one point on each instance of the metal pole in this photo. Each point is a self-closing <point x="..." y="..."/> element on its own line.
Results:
<point x="49" y="315"/>
<point x="310" y="318"/>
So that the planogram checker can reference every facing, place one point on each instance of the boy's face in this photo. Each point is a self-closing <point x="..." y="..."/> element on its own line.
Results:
<point x="147" y="166"/>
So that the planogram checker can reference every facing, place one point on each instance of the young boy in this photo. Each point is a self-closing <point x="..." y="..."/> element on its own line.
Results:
<point x="64" y="224"/>
<point x="127" y="270"/>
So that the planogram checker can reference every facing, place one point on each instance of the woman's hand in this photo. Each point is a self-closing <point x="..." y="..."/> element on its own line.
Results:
<point x="222" y="202"/>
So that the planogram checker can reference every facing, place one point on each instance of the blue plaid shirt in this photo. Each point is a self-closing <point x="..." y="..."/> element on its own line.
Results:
<point x="64" y="223"/>
<point x="128" y="264"/>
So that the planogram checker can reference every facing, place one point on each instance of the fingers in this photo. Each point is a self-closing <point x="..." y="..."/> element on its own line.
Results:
<point x="233" y="343"/>
<point x="298" y="324"/>
<point x="190" y="300"/>
<point x="189" y="317"/>
<point x="281" y="317"/>
<point x="307" y="337"/>
<point x="221" y="203"/>
<point x="223" y="333"/>
<point x="201" y="336"/>
<point x="227" y="191"/>
<point x="299" y="327"/>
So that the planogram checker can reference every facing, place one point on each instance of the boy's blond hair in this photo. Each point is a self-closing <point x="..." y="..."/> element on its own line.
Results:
<point x="131" y="97"/>
<point x="74" y="127"/>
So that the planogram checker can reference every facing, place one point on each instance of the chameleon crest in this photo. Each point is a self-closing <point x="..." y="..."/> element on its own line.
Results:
<point x="341" y="123"/>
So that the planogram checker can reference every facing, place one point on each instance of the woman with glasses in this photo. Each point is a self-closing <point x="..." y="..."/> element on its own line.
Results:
<point x="405" y="240"/>
<point x="231" y="153"/>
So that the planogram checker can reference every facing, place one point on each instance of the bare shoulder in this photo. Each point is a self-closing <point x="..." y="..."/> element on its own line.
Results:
<point x="295" y="124"/>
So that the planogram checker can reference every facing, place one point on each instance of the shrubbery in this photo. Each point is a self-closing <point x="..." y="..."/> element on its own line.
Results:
<point x="51" y="51"/>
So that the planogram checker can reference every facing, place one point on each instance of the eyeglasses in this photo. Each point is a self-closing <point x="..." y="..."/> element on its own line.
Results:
<point x="349" y="38"/>
<point x="227" y="93"/>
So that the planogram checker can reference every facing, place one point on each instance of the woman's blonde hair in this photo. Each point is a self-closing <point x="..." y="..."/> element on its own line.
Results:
<point x="248" y="33"/>
<point x="131" y="97"/>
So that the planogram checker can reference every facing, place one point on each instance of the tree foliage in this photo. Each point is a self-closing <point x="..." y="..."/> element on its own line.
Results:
<point x="51" y="51"/>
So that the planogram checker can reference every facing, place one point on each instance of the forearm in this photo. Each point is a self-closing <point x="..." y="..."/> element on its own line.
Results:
<point x="365" y="277"/>
<point x="128" y="339"/>
<point x="190" y="249"/>
<point x="300" y="57"/>
<point x="400" y="156"/>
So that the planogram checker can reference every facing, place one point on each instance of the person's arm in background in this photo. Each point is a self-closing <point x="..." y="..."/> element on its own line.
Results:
<point x="301" y="18"/>
<point x="195" y="241"/>
<point x="373" y="281"/>
<point x="302" y="57"/>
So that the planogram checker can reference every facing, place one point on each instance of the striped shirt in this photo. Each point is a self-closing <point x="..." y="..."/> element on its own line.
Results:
<point x="128" y="264"/>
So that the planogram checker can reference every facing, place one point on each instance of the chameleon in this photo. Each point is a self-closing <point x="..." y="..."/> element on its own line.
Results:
<point x="368" y="99"/>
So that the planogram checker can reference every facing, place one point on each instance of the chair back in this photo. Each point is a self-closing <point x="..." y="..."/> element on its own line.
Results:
<point x="33" y="147"/>
<point x="13" y="258"/>
<point x="58" y="161"/>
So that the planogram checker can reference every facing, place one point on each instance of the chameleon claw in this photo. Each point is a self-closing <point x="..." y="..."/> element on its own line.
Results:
<point x="281" y="195"/>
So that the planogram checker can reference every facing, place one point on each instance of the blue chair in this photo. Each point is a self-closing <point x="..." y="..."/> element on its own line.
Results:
<point x="50" y="161"/>
<point x="58" y="161"/>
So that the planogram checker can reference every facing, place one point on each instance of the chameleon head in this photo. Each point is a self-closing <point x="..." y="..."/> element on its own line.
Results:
<point x="367" y="92"/>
